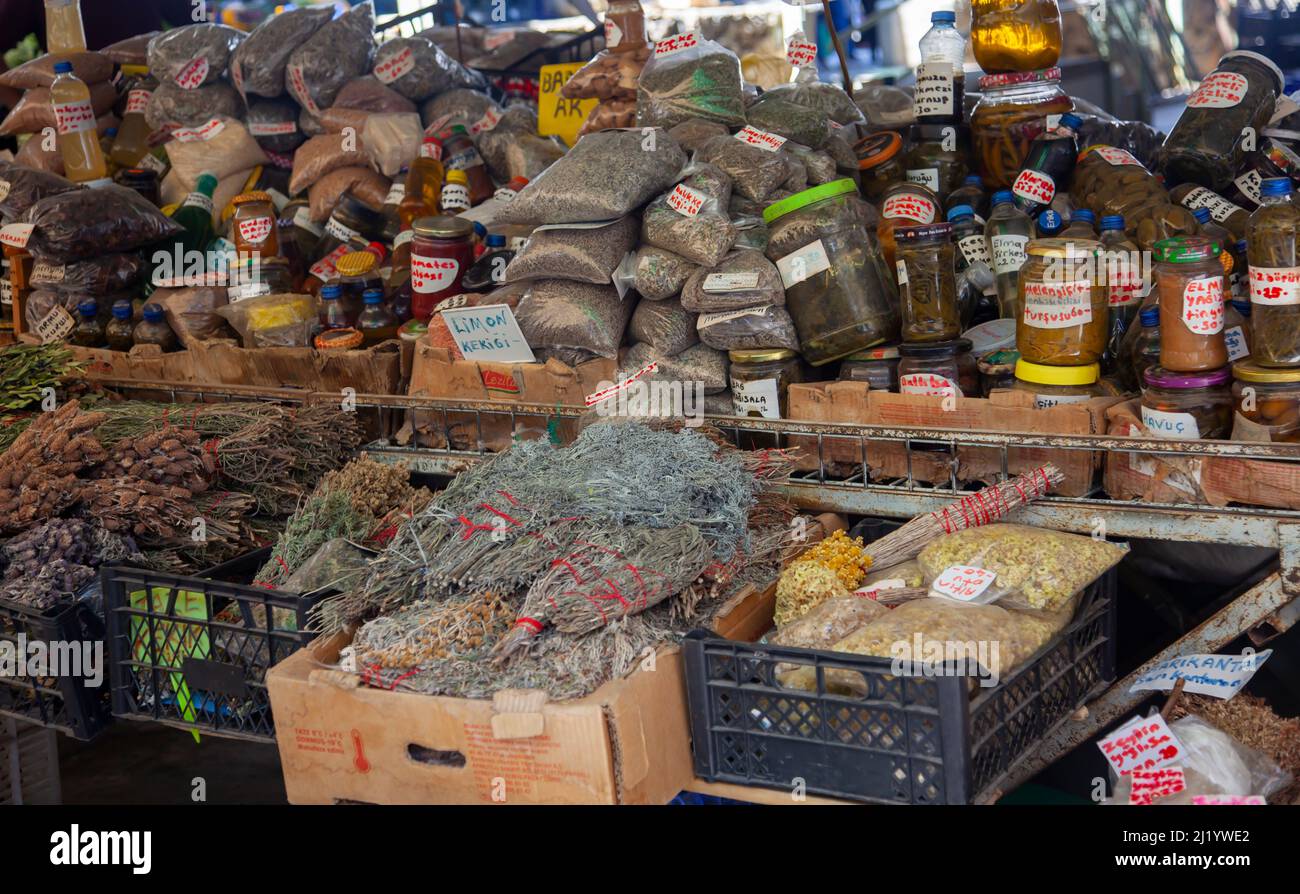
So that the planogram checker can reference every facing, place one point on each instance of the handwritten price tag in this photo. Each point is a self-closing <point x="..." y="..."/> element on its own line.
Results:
<point x="800" y="52"/>
<point x="1034" y="186"/>
<point x="192" y="76"/>
<point x="675" y="44"/>
<point x="55" y="325"/>
<point x="391" y="69"/>
<point x="1115" y="156"/>
<point x="760" y="138"/>
<point x="686" y="201"/>
<point x="1144" y="743"/>
<point x="200" y="134"/>
<point x="1150" y="785"/>
<point x="1275" y="286"/>
<point x="1058" y="305"/>
<point x="298" y="83"/>
<point x="963" y="582"/>
<point x="16" y="235"/>
<point x="137" y="101"/>
<point x="909" y="207"/>
<point x="431" y="275"/>
<point x="1220" y="90"/>
<point x="927" y="385"/>
<point x="74" y="117"/>
<point x="489" y="121"/>
<point x="272" y="128"/>
<point x="1228" y="800"/>
<point x="1203" y="305"/>
<point x="255" y="231"/>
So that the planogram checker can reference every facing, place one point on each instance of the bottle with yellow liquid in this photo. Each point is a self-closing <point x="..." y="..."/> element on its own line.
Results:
<point x="424" y="179"/>
<point x="74" y="118"/>
<point x="1015" y="35"/>
<point x="133" y="134"/>
<point x="64" y="32"/>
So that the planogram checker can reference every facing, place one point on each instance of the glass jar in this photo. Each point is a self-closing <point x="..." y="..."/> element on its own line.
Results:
<point x="1015" y="35"/>
<point x="119" y="331"/>
<point x="254" y="229"/>
<point x="377" y="324"/>
<point x="331" y="312"/>
<point x="937" y="159"/>
<point x="1189" y="279"/>
<point x="760" y="381"/>
<point x="358" y="274"/>
<point x="878" y="367"/>
<point x="251" y="278"/>
<point x="441" y="254"/>
<point x="1231" y="216"/>
<point x="1011" y="113"/>
<point x="1062" y="309"/>
<point x="1206" y="144"/>
<point x="838" y="290"/>
<point x="351" y="222"/>
<point x="927" y="283"/>
<point x="1052" y="386"/>
<point x="144" y="182"/>
<point x="1273" y="256"/>
<point x="938" y="369"/>
<point x="903" y="204"/>
<point x="998" y="370"/>
<point x="1237" y="336"/>
<point x="1187" y="406"/>
<point x="1267" y="403"/>
<point x="880" y="164"/>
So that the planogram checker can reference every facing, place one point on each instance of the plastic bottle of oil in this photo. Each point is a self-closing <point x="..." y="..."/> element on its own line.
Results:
<point x="64" y="32"/>
<point x="83" y="160"/>
<point x="423" y="185"/>
<point x="133" y="134"/>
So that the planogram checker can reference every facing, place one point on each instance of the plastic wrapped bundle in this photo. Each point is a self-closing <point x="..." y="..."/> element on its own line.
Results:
<point x="172" y="105"/>
<point x="368" y="94"/>
<point x="791" y="120"/>
<point x="754" y="170"/>
<point x="89" y="223"/>
<point x="579" y="253"/>
<point x="417" y="68"/>
<point x="99" y="276"/>
<point x="691" y="218"/>
<point x="744" y="278"/>
<point x="698" y="363"/>
<point x="90" y="68"/>
<point x="583" y="320"/>
<point x="193" y="55"/>
<point x="660" y="274"/>
<point x="828" y="623"/>
<point x="258" y="64"/>
<point x="749" y="328"/>
<point x="511" y="153"/>
<point x="687" y="77"/>
<point x="334" y="55"/>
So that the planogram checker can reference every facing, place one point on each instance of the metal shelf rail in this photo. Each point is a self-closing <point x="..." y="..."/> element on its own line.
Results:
<point x="460" y="429"/>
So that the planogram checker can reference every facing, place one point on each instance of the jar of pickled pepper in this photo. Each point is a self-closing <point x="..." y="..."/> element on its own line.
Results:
<point x="1015" y="35"/>
<point x="927" y="283"/>
<point x="1012" y="112"/>
<point x="1063" y="306"/>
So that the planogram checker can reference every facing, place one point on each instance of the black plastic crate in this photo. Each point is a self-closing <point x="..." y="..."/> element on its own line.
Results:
<point x="67" y="703"/>
<point x="910" y="740"/>
<point x="193" y="652"/>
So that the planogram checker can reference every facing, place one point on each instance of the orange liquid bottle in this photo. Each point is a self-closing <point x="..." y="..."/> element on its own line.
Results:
<point x="423" y="185"/>
<point x="74" y="117"/>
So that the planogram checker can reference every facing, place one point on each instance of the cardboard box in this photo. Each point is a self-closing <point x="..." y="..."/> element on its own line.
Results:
<point x="1003" y="411"/>
<point x="1212" y="480"/>
<point x="626" y="743"/>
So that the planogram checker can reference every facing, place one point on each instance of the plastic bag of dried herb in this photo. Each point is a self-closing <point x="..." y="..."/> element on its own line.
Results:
<point x="818" y="166"/>
<point x="578" y="252"/>
<point x="666" y="326"/>
<point x="768" y="326"/>
<point x="193" y="55"/>
<point x="511" y="152"/>
<point x="691" y="218"/>
<point x="689" y="77"/>
<point x="417" y="68"/>
<point x="605" y="176"/>
<point x="257" y="67"/>
<point x="751" y="232"/>
<point x="89" y="223"/>
<point x="577" y="317"/>
<point x="693" y="133"/>
<point x="790" y="120"/>
<point x="95" y="277"/>
<point x="660" y="274"/>
<point x="172" y="105"/>
<point x="459" y="106"/>
<point x="698" y="363"/>
<point x="745" y="278"/>
<point x="274" y="124"/>
<point x="827" y="99"/>
<point x="334" y="55"/>
<point x="21" y="187"/>
<point x="755" y="171"/>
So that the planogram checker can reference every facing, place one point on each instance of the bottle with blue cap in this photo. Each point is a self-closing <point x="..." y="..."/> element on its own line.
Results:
<point x="971" y="193"/>
<point x="489" y="271"/>
<point x="153" y="329"/>
<point x="333" y="312"/>
<point x="1048" y="165"/>
<point x="1008" y="231"/>
<point x="1273" y="256"/>
<point x="968" y="236"/>
<point x="119" y="333"/>
<point x="74" y="122"/>
<point x="941" y="78"/>
<point x="1083" y="225"/>
<point x="1140" y="350"/>
<point x="90" y="331"/>
<point x="377" y="324"/>
<point x="1048" y="224"/>
<point x="1127" y="283"/>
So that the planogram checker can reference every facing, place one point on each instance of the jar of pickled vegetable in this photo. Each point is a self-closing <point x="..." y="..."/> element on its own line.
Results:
<point x="255" y="230"/>
<point x="1052" y="386"/>
<point x="937" y="159"/>
<point x="1189" y="280"/>
<point x="1207" y="144"/>
<point x="902" y="205"/>
<point x="1273" y="256"/>
<point x="1062" y="307"/>
<point x="1267" y="403"/>
<point x="760" y="381"/>
<point x="838" y="291"/>
<point x="1012" y="112"/>
<point x="1015" y="35"/>
<point x="880" y="163"/>
<point x="927" y="283"/>
<point x="1187" y="406"/>
<point x="938" y="369"/>
<point x="878" y="367"/>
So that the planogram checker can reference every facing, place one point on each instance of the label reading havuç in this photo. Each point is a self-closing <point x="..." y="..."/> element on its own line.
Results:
<point x="1165" y="424"/>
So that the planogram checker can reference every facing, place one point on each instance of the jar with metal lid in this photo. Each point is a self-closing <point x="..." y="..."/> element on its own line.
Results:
<point x="1063" y="312"/>
<point x="351" y="222"/>
<point x="441" y="253"/>
<point x="904" y="204"/>
<point x="927" y="283"/>
<point x="838" y="291"/>
<point x="1187" y="406"/>
<point x="937" y="159"/>
<point x="880" y="163"/>
<point x="1052" y="386"/>
<point x="358" y="273"/>
<point x="938" y="369"/>
<point x="1015" y="35"/>
<point x="254" y="228"/>
<point x="760" y="380"/>
<point x="1012" y="112"/>
<point x="1267" y="403"/>
<point x="878" y="367"/>
<point x="1208" y="144"/>
<point x="998" y="370"/>
<point x="1189" y="278"/>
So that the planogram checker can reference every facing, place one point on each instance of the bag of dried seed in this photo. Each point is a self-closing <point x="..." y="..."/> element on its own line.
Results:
<point x="756" y="168"/>
<point x="417" y="68"/>
<point x="193" y="56"/>
<point x="583" y="320"/>
<point x="89" y="223"/>
<point x="693" y="133"/>
<point x="95" y="276"/>
<point x="795" y="122"/>
<point x="808" y="91"/>
<point x="828" y="623"/>
<point x="744" y="278"/>
<point x="818" y="167"/>
<point x="340" y="51"/>
<point x="666" y="326"/>
<point x="369" y="95"/>
<point x="459" y="106"/>
<point x="691" y="218"/>
<point x="579" y="252"/>
<point x="258" y="64"/>
<point x="749" y="328"/>
<point x="274" y="124"/>
<point x="698" y="363"/>
<point x="690" y="77"/>
<point x="21" y="187"/>
<point x="175" y="106"/>
<point x="660" y="274"/>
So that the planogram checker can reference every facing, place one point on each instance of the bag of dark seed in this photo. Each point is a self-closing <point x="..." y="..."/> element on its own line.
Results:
<point x="690" y="77"/>
<point x="257" y="67"/>
<point x="664" y="325"/>
<point x="660" y="274"/>
<point x="768" y="326"/>
<point x="193" y="56"/>
<point x="417" y="68"/>
<point x="274" y="124"/>
<point x="94" y="277"/>
<point x="576" y="318"/>
<point x="691" y="218"/>
<point x="795" y="122"/>
<point x="171" y="105"/>
<point x="745" y="278"/>
<point x="459" y="106"/>
<point x="21" y="187"/>
<point x="753" y="159"/>
<point x="579" y="252"/>
<point x="334" y="55"/>
<point x="90" y="223"/>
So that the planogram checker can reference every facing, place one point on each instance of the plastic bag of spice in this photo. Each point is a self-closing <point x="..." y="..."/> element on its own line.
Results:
<point x="89" y="223"/>
<point x="827" y="623"/>
<point x="829" y="100"/>
<point x="579" y="252"/>
<point x="818" y="167"/>
<point x="369" y="188"/>
<point x="691" y="218"/>
<point x="749" y="328"/>
<point x="258" y="64"/>
<point x="33" y="156"/>
<point x="274" y="124"/>
<point x="689" y="77"/>
<point x="698" y="363"/>
<point x="21" y="187"/>
<point x="659" y="274"/>
<point x="417" y="68"/>
<point x="35" y="111"/>
<point x="340" y="51"/>
<point x="368" y="94"/>
<point x="132" y="50"/>
<point x="273" y="321"/>
<point x="605" y="176"/>
<point x="90" y="68"/>
<point x="791" y="120"/>
<point x="511" y="154"/>
<point x="459" y="106"/>
<point x="755" y="170"/>
<point x="192" y="313"/>
<point x="608" y="115"/>
<point x="320" y="155"/>
<point x="392" y="140"/>
<point x="172" y="105"/>
<point x="222" y="146"/>
<point x="744" y="278"/>
<point x="96" y="276"/>
<point x="193" y="55"/>
<point x="666" y="326"/>
<point x="581" y="318"/>
<point x="693" y="133"/>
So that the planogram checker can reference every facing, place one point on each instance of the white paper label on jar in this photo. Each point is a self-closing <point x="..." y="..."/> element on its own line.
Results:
<point x="1235" y="340"/>
<point x="1008" y="253"/>
<point x="1047" y="401"/>
<point x="1053" y="122"/>
<point x="704" y="321"/>
<point x="613" y="34"/>
<point x="151" y="162"/>
<point x="757" y="396"/>
<point x="1219" y="90"/>
<point x="392" y="69"/>
<point x="1115" y="156"/>
<point x="686" y="201"/>
<point x="1203" y="305"/>
<point x="430" y="275"/>
<point x="1057" y="305"/>
<point x="455" y="197"/>
<point x="928" y="385"/>
<point x="1274" y="286"/>
<point x="935" y="92"/>
<point x="1249" y="184"/>
<point x="256" y="230"/>
<point x="675" y="44"/>
<point x="395" y="194"/>
<point x="729" y="282"/>
<point x="762" y="139"/>
<point x="803" y="263"/>
<point x="137" y="101"/>
<point x="1035" y="186"/>
<point x="1220" y="208"/>
<point x="74" y="117"/>
<point x="1165" y="424"/>
<point x="927" y="177"/>
<point x="975" y="249"/>
<point x="339" y="231"/>
<point x="901" y="268"/>
<point x="963" y="582"/>
<point x="909" y="207"/>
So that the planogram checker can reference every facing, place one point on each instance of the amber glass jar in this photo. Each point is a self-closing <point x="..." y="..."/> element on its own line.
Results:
<point x="1015" y="35"/>
<point x="1062" y="308"/>
<point x="1267" y="403"/>
<point x="880" y="164"/>
<point x="760" y="380"/>
<point x="937" y="159"/>
<point x="927" y="283"/>
<point x="255" y="230"/>
<point x="1189" y="279"/>
<point x="1010" y="115"/>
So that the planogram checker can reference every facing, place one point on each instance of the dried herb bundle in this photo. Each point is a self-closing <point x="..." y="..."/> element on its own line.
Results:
<point x="26" y="370"/>
<point x="38" y="473"/>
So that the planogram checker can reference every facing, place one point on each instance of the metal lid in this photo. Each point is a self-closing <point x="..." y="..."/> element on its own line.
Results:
<point x="1250" y="371"/>
<point x="760" y="355"/>
<point x="877" y="149"/>
<point x="1262" y="60"/>
<point x="1186" y="249"/>
<point x="1056" y="247"/>
<point x="443" y="226"/>
<point x="1042" y="374"/>
<point x="1159" y="377"/>
<point x="250" y="197"/>
<point x="933" y="349"/>
<point x="356" y="263"/>
<point x="1020" y="78"/>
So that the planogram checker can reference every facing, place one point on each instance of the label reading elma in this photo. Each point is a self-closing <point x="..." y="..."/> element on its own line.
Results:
<point x="756" y="397"/>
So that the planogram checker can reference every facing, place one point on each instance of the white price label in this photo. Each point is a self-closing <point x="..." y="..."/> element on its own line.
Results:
<point x="1148" y="786"/>
<point x="675" y="44"/>
<point x="1116" y="156"/>
<point x="137" y="101"/>
<point x="1274" y="286"/>
<point x="1047" y="401"/>
<point x="1219" y="90"/>
<point x="255" y="230"/>
<point x="756" y="397"/>
<point x="45" y="273"/>
<point x="16" y="235"/>
<point x="1057" y="305"/>
<point x="963" y="582"/>
<point x="803" y="263"/>
<point x="801" y="52"/>
<point x="432" y="275"/>
<point x="55" y="325"/>
<point x="391" y="69"/>
<point x="686" y="201"/>
<point x="1203" y="305"/>
<point x="975" y="249"/>
<point x="935" y="93"/>
<point x="909" y="207"/>
<point x="1234" y="338"/>
<point x="74" y="117"/>
<point x="1009" y="253"/>
<point x="927" y="177"/>
<point x="729" y="282"/>
<point x="1166" y="424"/>
<point x="1249" y="183"/>
<point x="1144" y="743"/>
<point x="1220" y="208"/>
<point x="200" y="134"/>
<point x="927" y="385"/>
<point x="704" y="321"/>
<point x="1034" y="186"/>
<point x="760" y="138"/>
<point x="192" y="76"/>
